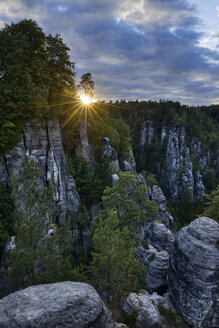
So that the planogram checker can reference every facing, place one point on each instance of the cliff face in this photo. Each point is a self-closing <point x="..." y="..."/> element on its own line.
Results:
<point x="178" y="166"/>
<point x="194" y="271"/>
<point x="43" y="145"/>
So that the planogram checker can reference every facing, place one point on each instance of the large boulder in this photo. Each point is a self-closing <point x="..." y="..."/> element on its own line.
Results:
<point x="193" y="273"/>
<point x="63" y="304"/>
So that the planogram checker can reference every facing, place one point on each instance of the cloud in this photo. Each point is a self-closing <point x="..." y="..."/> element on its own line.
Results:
<point x="146" y="49"/>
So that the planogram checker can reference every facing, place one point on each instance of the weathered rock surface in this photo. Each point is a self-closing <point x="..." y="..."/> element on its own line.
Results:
<point x="158" y="243"/>
<point x="178" y="169"/>
<point x="193" y="273"/>
<point x="121" y="162"/>
<point x="147" y="313"/>
<point x="156" y="194"/>
<point x="84" y="149"/>
<point x="127" y="162"/>
<point x="107" y="149"/>
<point x="158" y="235"/>
<point x="146" y="133"/>
<point x="179" y="164"/>
<point x="156" y="264"/>
<point x="44" y="147"/>
<point x="59" y="305"/>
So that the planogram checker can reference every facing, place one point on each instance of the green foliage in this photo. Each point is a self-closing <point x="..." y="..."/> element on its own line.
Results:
<point x="150" y="178"/>
<point x="82" y="217"/>
<point x="115" y="129"/>
<point x="152" y="154"/>
<point x="114" y="267"/>
<point x="87" y="84"/>
<point x="210" y="179"/>
<point x="31" y="65"/>
<point x="77" y="167"/>
<point x="120" y="136"/>
<point x="212" y="205"/>
<point x="184" y="209"/>
<point x="200" y="122"/>
<point x="128" y="199"/>
<point x="90" y="185"/>
<point x="129" y="319"/>
<point x="172" y="319"/>
<point x="152" y="256"/>
<point x="39" y="255"/>
<point x="7" y="216"/>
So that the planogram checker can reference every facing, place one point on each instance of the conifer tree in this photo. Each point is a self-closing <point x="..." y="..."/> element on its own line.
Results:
<point x="128" y="199"/>
<point x="114" y="267"/>
<point x="212" y="205"/>
<point x="38" y="255"/>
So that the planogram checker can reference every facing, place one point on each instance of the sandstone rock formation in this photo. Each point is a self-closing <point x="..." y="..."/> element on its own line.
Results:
<point x="63" y="304"/>
<point x="154" y="255"/>
<point x="152" y="311"/>
<point x="193" y="273"/>
<point x="158" y="235"/>
<point x="121" y="162"/>
<point x="43" y="145"/>
<point x="147" y="313"/>
<point x="178" y="170"/>
<point x="84" y="149"/>
<point x="108" y="150"/>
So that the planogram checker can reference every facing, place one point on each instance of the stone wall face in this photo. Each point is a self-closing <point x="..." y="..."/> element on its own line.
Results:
<point x="179" y="171"/>
<point x="43" y="146"/>
<point x="193" y="273"/>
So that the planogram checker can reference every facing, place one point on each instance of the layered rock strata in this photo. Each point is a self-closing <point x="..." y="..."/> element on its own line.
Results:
<point x="193" y="273"/>
<point x="178" y="170"/>
<point x="43" y="146"/>
<point x="154" y="255"/>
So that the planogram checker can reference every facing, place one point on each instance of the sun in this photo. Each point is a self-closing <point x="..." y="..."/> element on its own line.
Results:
<point x="86" y="100"/>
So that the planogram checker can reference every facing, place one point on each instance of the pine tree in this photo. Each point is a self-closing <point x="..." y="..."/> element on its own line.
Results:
<point x="212" y="205"/>
<point x="40" y="245"/>
<point x="128" y="199"/>
<point x="114" y="267"/>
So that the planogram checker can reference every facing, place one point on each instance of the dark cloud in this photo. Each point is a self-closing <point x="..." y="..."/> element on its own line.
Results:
<point x="146" y="49"/>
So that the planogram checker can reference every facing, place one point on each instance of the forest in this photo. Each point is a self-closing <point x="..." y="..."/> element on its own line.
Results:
<point x="37" y="83"/>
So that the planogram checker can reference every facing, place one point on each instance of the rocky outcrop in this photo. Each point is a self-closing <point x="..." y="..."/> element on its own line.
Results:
<point x="63" y="304"/>
<point x="84" y="149"/>
<point x="179" y="164"/>
<point x="147" y="313"/>
<point x="152" y="311"/>
<point x="154" y="255"/>
<point x="158" y="235"/>
<point x="121" y="162"/>
<point x="156" y="194"/>
<point x="109" y="151"/>
<point x="127" y="162"/>
<point x="146" y="133"/>
<point x="178" y="170"/>
<point x="43" y="145"/>
<point x="156" y="264"/>
<point x="193" y="273"/>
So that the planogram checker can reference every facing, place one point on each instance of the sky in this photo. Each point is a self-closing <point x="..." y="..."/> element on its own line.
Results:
<point x="135" y="49"/>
